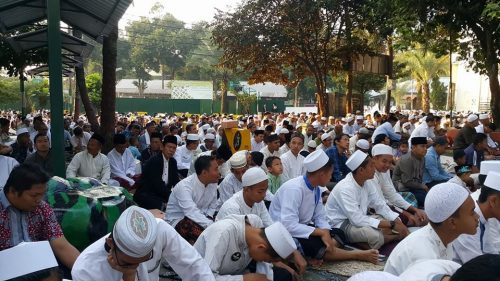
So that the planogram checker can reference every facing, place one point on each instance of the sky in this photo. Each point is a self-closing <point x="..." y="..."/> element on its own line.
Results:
<point x="189" y="11"/>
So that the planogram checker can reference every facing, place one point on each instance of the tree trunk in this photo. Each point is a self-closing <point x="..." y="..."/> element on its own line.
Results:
<point x="108" y="88"/>
<point x="76" y="112"/>
<point x="82" y="89"/>
<point x="390" y="51"/>
<point x="296" y="97"/>
<point x="349" y="80"/>
<point x="223" y="100"/>
<point x="425" y="97"/>
<point x="323" y="108"/>
<point x="495" y="93"/>
<point x="162" y="76"/>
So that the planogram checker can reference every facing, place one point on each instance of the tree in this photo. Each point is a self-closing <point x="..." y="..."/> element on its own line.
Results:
<point x="94" y="87"/>
<point x="245" y="101"/>
<point x="364" y="82"/>
<point x="473" y="31"/>
<point x="438" y="94"/>
<point x="269" y="38"/>
<point x="15" y="63"/>
<point x="108" y="101"/>
<point x="423" y="66"/>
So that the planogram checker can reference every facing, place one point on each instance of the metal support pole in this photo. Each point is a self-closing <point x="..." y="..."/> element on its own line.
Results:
<point x="56" y="92"/>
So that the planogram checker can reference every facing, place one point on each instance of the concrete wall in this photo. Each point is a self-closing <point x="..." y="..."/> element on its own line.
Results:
<point x="471" y="88"/>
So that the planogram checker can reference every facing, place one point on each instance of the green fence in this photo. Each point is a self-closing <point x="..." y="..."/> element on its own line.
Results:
<point x="191" y="106"/>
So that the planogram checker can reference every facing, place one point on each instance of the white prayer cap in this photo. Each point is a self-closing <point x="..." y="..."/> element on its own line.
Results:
<point x="364" y="131"/>
<point x="312" y="144"/>
<point x="253" y="176"/>
<point x="360" y="117"/>
<point x="280" y="239"/>
<point x="135" y="232"/>
<point x="315" y="161"/>
<point x="22" y="131"/>
<point x="209" y="136"/>
<point x="363" y="144"/>
<point x="323" y="118"/>
<point x="493" y="180"/>
<point x="331" y="117"/>
<point x="35" y="256"/>
<point x="193" y="137"/>
<point x="488" y="166"/>
<point x="443" y="200"/>
<point x="349" y="119"/>
<point x="374" y="276"/>
<point x="471" y="118"/>
<point x="355" y="160"/>
<point x="238" y="160"/>
<point x="205" y="127"/>
<point x="381" y="149"/>
<point x="406" y="124"/>
<point x="284" y="131"/>
<point x="324" y="136"/>
<point x="411" y="117"/>
<point x="484" y="116"/>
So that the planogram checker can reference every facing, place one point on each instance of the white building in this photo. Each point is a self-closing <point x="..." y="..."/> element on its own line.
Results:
<point x="472" y="90"/>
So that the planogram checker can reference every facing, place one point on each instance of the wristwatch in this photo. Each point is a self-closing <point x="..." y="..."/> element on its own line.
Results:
<point x="393" y="224"/>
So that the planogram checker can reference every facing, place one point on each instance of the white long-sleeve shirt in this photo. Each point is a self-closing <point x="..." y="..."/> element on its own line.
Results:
<point x="224" y="248"/>
<point x="426" y="270"/>
<point x="387" y="190"/>
<point x="7" y="164"/>
<point x="293" y="166"/>
<point x="422" y="244"/>
<point x="295" y="207"/>
<point x="350" y="201"/>
<point x="229" y="186"/>
<point x="257" y="146"/>
<point x="84" y="164"/>
<point x="467" y="247"/>
<point x="349" y="130"/>
<point x="92" y="263"/>
<point x="184" y="157"/>
<point x="192" y="199"/>
<point x="122" y="165"/>
<point x="422" y="130"/>
<point x="236" y="206"/>
<point x="267" y="153"/>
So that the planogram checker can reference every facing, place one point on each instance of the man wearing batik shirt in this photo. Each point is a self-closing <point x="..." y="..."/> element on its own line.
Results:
<point x="24" y="217"/>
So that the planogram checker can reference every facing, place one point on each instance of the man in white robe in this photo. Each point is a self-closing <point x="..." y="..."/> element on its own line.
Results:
<point x="232" y="182"/>
<point x="193" y="201"/>
<point x="135" y="249"/>
<point x="383" y="159"/>
<point x="467" y="247"/>
<point x="426" y="130"/>
<point x="258" y="140"/>
<point x="122" y="162"/>
<point x="349" y="128"/>
<point x="229" y="245"/>
<point x="293" y="161"/>
<point x="185" y="154"/>
<point x="450" y="210"/>
<point x="250" y="200"/>
<point x="90" y="162"/>
<point x="297" y="205"/>
<point x="348" y="203"/>
<point x="271" y="149"/>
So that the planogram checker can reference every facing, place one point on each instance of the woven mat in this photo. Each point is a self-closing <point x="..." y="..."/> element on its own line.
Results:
<point x="349" y="268"/>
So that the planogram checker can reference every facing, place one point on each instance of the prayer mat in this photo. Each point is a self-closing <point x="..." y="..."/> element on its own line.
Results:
<point x="189" y="230"/>
<point x="349" y="268"/>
